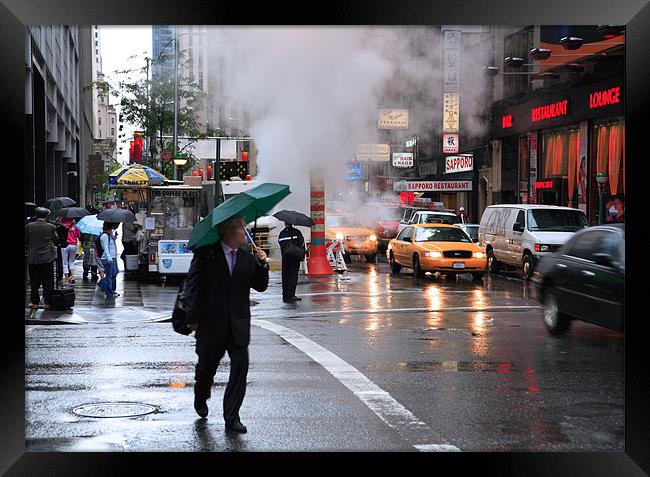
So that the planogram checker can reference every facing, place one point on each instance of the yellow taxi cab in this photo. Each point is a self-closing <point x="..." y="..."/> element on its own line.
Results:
<point x="357" y="240"/>
<point x="436" y="248"/>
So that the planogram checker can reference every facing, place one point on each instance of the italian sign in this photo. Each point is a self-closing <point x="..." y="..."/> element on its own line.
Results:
<point x="452" y="60"/>
<point x="402" y="159"/>
<point x="450" y="143"/>
<point x="464" y="162"/>
<point x="432" y="186"/>
<point x="450" y="118"/>
<point x="373" y="152"/>
<point x="393" y="119"/>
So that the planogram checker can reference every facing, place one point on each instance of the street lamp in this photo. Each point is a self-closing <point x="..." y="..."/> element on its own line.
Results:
<point x="179" y="161"/>
<point x="601" y="179"/>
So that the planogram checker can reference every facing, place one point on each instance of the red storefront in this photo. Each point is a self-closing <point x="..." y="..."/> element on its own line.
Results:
<point x="565" y="138"/>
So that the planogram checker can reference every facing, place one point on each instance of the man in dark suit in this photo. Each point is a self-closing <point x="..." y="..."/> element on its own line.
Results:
<point x="217" y="303"/>
<point x="40" y="244"/>
<point x="290" y="264"/>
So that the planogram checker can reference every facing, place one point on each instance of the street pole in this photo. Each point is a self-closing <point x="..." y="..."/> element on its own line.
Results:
<point x="175" y="96"/>
<point x="217" y="175"/>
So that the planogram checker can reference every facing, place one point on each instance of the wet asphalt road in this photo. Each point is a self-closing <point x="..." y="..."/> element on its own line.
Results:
<point x="367" y="361"/>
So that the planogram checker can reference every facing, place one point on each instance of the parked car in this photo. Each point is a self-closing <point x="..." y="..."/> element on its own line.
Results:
<point x="357" y="240"/>
<point x="584" y="280"/>
<point x="440" y="248"/>
<point x="520" y="235"/>
<point x="471" y="230"/>
<point x="429" y="216"/>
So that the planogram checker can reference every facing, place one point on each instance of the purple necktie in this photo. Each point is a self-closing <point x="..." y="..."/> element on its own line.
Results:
<point x="233" y="260"/>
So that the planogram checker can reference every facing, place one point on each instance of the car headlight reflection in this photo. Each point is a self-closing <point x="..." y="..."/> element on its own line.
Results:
<point x="372" y="238"/>
<point x="478" y="255"/>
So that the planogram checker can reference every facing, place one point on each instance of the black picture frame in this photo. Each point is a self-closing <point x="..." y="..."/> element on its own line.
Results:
<point x="635" y="14"/>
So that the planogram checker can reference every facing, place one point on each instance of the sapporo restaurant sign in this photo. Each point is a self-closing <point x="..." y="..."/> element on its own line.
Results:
<point x="432" y="186"/>
<point x="601" y="100"/>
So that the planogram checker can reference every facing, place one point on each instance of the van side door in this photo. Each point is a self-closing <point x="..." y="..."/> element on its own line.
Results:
<point x="514" y="240"/>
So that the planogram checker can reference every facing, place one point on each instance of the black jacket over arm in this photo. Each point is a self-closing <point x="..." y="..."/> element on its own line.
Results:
<point x="219" y="302"/>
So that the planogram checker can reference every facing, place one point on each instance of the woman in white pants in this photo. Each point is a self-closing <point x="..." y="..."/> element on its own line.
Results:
<point x="69" y="253"/>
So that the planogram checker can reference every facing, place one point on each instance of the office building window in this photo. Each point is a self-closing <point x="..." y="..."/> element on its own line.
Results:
<point x="112" y="131"/>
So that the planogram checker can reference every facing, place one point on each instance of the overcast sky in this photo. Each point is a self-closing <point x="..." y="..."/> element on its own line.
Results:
<point x="118" y="43"/>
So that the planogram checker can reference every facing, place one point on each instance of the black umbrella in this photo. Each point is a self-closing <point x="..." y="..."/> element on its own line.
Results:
<point x="294" y="218"/>
<point x="71" y="212"/>
<point x="116" y="215"/>
<point x="29" y="208"/>
<point x="57" y="203"/>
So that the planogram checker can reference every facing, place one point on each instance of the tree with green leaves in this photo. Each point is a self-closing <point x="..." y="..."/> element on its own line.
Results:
<point x="149" y="103"/>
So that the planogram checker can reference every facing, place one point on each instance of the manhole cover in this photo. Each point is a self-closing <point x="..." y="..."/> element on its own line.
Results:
<point x="114" y="409"/>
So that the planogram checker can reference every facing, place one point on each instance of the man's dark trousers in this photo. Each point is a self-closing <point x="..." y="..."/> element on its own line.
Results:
<point x="41" y="274"/>
<point x="290" y="269"/>
<point x="209" y="357"/>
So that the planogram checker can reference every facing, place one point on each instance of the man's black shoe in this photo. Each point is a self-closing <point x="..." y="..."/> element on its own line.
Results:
<point x="295" y="298"/>
<point x="200" y="406"/>
<point x="236" y="427"/>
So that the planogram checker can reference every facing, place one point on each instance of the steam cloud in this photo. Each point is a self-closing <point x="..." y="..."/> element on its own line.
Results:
<point x="314" y="94"/>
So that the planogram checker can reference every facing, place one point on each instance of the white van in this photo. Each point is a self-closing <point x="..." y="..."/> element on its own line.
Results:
<point x="521" y="234"/>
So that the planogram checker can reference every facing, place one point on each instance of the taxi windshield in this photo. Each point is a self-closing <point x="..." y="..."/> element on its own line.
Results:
<point x="340" y="221"/>
<point x="446" y="234"/>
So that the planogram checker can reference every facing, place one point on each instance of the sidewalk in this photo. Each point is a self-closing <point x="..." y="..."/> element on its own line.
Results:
<point x="137" y="302"/>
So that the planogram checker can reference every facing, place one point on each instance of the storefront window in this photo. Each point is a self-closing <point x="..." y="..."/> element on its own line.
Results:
<point x="560" y="152"/>
<point x="608" y="156"/>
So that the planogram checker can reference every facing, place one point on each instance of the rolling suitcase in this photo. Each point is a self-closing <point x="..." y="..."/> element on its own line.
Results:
<point x="62" y="298"/>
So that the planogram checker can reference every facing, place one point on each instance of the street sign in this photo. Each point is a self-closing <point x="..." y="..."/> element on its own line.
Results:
<point x="393" y="119"/>
<point x="402" y="159"/>
<point x="432" y="186"/>
<point x="461" y="163"/>
<point x="373" y="152"/>
<point x="450" y="143"/>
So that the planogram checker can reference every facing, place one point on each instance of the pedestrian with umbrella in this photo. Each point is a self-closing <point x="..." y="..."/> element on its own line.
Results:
<point x="40" y="243"/>
<point x="68" y="243"/>
<point x="217" y="294"/>
<point x="57" y="203"/>
<point x="292" y="248"/>
<point x="108" y="259"/>
<point x="90" y="229"/>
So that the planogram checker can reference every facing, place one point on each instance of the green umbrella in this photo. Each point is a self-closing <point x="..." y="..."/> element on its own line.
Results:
<point x="251" y="204"/>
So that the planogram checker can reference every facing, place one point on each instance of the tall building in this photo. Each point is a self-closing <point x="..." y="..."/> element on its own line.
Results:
<point x="54" y="122"/>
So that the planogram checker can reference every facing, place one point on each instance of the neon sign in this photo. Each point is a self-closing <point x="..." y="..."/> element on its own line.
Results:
<point x="544" y="185"/>
<point x="549" y="111"/>
<point x="605" y="98"/>
<point x="506" y="121"/>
